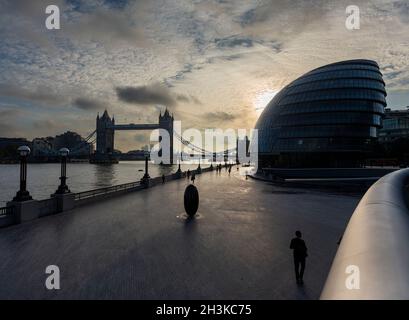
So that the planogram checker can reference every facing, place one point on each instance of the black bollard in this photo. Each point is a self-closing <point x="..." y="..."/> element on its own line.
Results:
<point x="191" y="200"/>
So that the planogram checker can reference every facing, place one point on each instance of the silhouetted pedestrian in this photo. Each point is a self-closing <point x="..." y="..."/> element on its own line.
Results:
<point x="193" y="177"/>
<point x="188" y="174"/>
<point x="229" y="170"/>
<point x="163" y="178"/>
<point x="300" y="253"/>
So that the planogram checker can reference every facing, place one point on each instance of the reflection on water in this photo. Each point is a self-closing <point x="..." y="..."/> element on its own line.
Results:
<point x="42" y="178"/>
<point x="104" y="175"/>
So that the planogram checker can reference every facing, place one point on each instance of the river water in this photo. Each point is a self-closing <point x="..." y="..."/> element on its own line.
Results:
<point x="42" y="178"/>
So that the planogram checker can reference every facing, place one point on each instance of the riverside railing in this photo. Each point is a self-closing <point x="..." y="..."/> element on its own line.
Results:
<point x="373" y="258"/>
<point x="6" y="216"/>
<point x="6" y="211"/>
<point x="106" y="190"/>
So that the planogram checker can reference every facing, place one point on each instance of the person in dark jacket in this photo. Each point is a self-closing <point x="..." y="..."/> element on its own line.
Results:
<point x="300" y="253"/>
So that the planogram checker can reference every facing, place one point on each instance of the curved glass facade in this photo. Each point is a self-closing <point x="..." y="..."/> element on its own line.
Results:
<point x="327" y="117"/>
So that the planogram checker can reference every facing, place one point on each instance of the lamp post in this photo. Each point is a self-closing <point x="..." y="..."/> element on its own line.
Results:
<point x="23" y="194"/>
<point x="199" y="169"/>
<point x="146" y="175"/>
<point x="63" y="188"/>
<point x="179" y="170"/>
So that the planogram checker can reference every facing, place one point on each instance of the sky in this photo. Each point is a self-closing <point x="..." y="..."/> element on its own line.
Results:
<point x="214" y="63"/>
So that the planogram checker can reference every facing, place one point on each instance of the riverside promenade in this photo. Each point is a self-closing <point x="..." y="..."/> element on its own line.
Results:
<point x="140" y="246"/>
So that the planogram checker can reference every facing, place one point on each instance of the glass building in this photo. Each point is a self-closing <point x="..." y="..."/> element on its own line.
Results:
<point x="326" y="118"/>
<point x="395" y="125"/>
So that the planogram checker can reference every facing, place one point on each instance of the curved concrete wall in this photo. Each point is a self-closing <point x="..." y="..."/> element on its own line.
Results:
<point x="375" y="243"/>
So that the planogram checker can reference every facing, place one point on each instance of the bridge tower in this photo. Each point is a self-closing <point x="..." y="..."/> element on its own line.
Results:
<point x="105" y="134"/>
<point x="166" y="123"/>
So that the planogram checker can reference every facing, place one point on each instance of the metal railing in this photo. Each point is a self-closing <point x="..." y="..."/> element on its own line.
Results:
<point x="106" y="190"/>
<point x="6" y="211"/>
<point x="372" y="260"/>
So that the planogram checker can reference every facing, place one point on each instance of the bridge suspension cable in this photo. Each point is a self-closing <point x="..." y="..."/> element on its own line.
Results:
<point x="90" y="139"/>
<point x="199" y="149"/>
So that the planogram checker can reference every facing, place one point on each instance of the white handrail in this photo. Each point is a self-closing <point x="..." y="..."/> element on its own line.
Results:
<point x="372" y="261"/>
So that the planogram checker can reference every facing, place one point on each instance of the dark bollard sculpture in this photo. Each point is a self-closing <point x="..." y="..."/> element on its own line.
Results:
<point x="191" y="200"/>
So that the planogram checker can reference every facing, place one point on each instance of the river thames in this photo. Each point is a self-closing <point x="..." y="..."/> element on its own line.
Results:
<point x="43" y="178"/>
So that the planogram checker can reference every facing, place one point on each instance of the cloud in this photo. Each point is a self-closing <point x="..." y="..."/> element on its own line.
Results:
<point x="46" y="123"/>
<point x="153" y="94"/>
<point x="233" y="41"/>
<point x="195" y="100"/>
<point x="219" y="116"/>
<point x="182" y="98"/>
<point x="40" y="94"/>
<point x="89" y="104"/>
<point x="9" y="122"/>
<point x="150" y="94"/>
<point x="9" y="113"/>
<point x="403" y="10"/>
<point x="105" y="26"/>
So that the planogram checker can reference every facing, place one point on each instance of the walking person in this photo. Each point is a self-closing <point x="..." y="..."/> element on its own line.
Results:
<point x="300" y="254"/>
<point x="188" y="174"/>
<point x="163" y="178"/>
<point x="193" y="177"/>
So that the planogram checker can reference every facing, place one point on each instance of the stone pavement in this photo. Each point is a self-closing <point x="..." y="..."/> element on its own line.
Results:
<point x="139" y="246"/>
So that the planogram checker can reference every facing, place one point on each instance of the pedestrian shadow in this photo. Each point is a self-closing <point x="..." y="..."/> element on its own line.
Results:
<point x="302" y="292"/>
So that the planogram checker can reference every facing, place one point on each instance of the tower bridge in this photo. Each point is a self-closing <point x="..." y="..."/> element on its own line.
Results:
<point x="105" y="139"/>
<point x="105" y="131"/>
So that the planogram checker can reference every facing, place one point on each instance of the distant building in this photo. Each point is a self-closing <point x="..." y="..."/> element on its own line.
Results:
<point x="8" y="147"/>
<point x="42" y="147"/>
<point x="134" y="155"/>
<point x="73" y="141"/>
<point x="14" y="142"/>
<point x="395" y="125"/>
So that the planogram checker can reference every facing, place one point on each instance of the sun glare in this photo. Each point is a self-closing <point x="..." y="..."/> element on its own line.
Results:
<point x="262" y="99"/>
